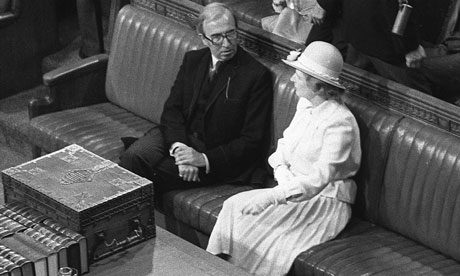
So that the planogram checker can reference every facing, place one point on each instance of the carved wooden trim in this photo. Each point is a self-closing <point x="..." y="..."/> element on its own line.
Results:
<point x="399" y="98"/>
<point x="183" y="12"/>
<point x="388" y="94"/>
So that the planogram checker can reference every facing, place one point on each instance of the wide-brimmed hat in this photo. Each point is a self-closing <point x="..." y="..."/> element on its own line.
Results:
<point x="320" y="60"/>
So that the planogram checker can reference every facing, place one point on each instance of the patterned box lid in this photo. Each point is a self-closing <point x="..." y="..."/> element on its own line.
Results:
<point x="76" y="178"/>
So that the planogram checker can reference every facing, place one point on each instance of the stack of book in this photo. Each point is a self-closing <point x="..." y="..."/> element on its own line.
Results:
<point x="33" y="245"/>
<point x="111" y="206"/>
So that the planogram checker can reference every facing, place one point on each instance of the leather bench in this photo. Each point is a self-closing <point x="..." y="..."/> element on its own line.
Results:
<point x="406" y="213"/>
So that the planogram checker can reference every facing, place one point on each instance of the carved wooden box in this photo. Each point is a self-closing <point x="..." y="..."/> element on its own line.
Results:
<point x="111" y="206"/>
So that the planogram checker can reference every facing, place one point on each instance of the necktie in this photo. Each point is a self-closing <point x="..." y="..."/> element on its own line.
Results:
<point x="213" y="72"/>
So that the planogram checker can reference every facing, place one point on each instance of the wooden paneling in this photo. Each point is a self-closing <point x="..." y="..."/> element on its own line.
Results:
<point x="24" y="42"/>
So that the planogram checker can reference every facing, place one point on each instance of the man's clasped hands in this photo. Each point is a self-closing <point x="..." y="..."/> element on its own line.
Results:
<point x="188" y="161"/>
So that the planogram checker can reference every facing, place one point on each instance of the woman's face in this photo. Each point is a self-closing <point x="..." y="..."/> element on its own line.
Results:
<point x="305" y="85"/>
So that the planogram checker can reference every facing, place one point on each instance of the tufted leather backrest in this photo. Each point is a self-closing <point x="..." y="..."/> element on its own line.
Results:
<point x="421" y="194"/>
<point x="284" y="100"/>
<point x="376" y="127"/>
<point x="145" y="56"/>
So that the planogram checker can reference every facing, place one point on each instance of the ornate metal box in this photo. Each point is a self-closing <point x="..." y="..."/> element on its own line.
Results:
<point x="95" y="197"/>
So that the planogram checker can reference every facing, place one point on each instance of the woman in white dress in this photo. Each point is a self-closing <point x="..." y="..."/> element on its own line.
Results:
<point x="264" y="230"/>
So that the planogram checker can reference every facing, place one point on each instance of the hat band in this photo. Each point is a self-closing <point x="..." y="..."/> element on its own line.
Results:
<point x="320" y="70"/>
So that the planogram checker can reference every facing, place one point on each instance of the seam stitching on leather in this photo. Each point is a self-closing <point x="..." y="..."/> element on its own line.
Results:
<point x="386" y="155"/>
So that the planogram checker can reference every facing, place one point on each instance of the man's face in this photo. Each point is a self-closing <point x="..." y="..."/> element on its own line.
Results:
<point x="214" y="30"/>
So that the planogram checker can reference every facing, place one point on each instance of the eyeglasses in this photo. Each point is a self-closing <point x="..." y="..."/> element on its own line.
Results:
<point x="218" y="39"/>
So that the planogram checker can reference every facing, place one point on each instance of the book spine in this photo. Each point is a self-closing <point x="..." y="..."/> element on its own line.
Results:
<point x="54" y="244"/>
<point x="8" y="265"/>
<point x="37" y="236"/>
<point x="26" y="266"/>
<point x="52" y="238"/>
<point x="25" y="211"/>
<point x="13" y="256"/>
<point x="5" y="232"/>
<point x="53" y="247"/>
<point x="52" y="234"/>
<point x="9" y="224"/>
<point x="17" y="217"/>
<point x="63" y="244"/>
<point x="62" y="229"/>
<point x="78" y="238"/>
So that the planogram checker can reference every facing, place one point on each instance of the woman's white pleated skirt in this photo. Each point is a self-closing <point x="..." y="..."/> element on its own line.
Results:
<point x="268" y="243"/>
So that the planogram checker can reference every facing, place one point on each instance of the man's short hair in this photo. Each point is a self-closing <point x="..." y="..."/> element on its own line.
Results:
<point x="212" y="12"/>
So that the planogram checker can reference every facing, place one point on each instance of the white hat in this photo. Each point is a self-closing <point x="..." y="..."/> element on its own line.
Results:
<point x="320" y="60"/>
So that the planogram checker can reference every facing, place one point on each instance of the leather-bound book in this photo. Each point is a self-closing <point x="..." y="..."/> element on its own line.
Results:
<point x="5" y="232"/>
<point x="63" y="240"/>
<point x="77" y="248"/>
<point x="11" y="225"/>
<point x="6" y="211"/>
<point x="62" y="243"/>
<point x="109" y="205"/>
<point x="27" y="267"/>
<point x="53" y="244"/>
<point x="41" y="232"/>
<point x="19" y="209"/>
<point x="42" y="257"/>
<point x="12" y="268"/>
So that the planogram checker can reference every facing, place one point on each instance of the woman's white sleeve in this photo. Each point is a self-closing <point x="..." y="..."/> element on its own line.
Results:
<point x="336" y="147"/>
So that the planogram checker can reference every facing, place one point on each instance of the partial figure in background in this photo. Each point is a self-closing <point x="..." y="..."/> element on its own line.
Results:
<point x="385" y="37"/>
<point x="292" y="20"/>
<point x="326" y="17"/>
<point x="374" y="44"/>
<point x="264" y="230"/>
<point x="90" y="21"/>
<point x="442" y="67"/>
<point x="442" y="63"/>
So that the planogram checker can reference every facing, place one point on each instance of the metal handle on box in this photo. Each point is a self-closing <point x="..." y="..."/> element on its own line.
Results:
<point x="137" y="235"/>
<point x="116" y="245"/>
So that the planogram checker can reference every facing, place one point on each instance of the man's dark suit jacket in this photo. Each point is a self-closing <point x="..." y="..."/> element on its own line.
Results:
<point x="237" y="114"/>
<point x="368" y="23"/>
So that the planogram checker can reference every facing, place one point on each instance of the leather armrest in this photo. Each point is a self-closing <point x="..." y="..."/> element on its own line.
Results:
<point x="76" y="70"/>
<point x="12" y="14"/>
<point x="75" y="85"/>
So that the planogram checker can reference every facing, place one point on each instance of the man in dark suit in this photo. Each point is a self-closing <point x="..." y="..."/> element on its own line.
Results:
<point x="216" y="120"/>
<point x="367" y="28"/>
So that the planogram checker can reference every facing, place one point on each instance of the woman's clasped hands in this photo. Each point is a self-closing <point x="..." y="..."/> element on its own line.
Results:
<point x="262" y="200"/>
